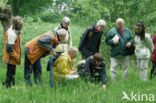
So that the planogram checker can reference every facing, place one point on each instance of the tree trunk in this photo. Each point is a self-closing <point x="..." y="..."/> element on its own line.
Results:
<point x="15" y="6"/>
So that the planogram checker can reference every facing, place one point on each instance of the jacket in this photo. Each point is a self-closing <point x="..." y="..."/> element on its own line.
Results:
<point x="12" y="48"/>
<point x="90" y="42"/>
<point x="144" y="47"/>
<point x="119" y="50"/>
<point x="41" y="46"/>
<point x="62" y="66"/>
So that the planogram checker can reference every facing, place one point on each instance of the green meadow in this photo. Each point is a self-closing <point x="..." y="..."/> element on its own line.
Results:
<point x="76" y="91"/>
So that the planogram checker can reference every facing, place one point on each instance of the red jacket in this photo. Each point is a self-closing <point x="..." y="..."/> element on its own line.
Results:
<point x="154" y="53"/>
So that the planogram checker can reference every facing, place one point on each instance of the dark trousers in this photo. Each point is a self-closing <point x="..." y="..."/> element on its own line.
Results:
<point x="28" y="68"/>
<point x="10" y="80"/>
<point x="37" y="71"/>
<point x="153" y="69"/>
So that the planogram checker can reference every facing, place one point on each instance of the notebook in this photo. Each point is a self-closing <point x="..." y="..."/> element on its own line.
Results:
<point x="115" y="38"/>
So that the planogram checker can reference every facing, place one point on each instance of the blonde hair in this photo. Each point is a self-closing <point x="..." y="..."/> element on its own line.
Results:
<point x="73" y="51"/>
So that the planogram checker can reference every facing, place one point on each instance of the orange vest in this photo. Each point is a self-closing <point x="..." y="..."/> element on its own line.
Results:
<point x="15" y="56"/>
<point x="37" y="51"/>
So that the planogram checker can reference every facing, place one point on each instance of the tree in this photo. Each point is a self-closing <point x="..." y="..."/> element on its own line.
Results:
<point x="27" y="7"/>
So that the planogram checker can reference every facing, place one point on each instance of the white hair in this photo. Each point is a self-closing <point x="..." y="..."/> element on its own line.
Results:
<point x="65" y="20"/>
<point x="120" y="20"/>
<point x="61" y="32"/>
<point x="101" y="22"/>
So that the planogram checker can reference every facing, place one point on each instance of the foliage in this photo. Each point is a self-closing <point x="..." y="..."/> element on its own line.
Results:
<point x="41" y="15"/>
<point x="28" y="7"/>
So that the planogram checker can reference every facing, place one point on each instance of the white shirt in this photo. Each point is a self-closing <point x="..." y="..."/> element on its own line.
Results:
<point x="11" y="36"/>
<point x="144" y="47"/>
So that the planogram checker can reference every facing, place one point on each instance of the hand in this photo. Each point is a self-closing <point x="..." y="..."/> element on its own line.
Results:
<point x="115" y="42"/>
<point x="78" y="65"/>
<point x="74" y="72"/>
<point x="128" y="45"/>
<point x="53" y="53"/>
<point x="104" y="86"/>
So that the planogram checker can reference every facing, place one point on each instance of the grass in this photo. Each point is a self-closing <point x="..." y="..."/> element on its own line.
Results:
<point x="77" y="91"/>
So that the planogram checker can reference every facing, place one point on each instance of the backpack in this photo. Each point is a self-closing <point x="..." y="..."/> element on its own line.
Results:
<point x="89" y="34"/>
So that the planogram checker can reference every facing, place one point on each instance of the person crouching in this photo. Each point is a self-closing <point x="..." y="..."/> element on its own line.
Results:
<point x="94" y="68"/>
<point x="63" y="66"/>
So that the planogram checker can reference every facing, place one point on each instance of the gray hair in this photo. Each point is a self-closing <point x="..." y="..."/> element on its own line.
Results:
<point x="101" y="22"/>
<point x="65" y="20"/>
<point x="120" y="20"/>
<point x="61" y="32"/>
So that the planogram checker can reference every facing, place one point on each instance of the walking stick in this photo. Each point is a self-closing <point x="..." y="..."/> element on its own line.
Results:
<point x="51" y="71"/>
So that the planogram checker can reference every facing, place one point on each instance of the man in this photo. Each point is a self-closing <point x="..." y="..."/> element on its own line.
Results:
<point x="40" y="47"/>
<point x="91" y="39"/>
<point x="119" y="38"/>
<point x="5" y="17"/>
<point x="12" y="50"/>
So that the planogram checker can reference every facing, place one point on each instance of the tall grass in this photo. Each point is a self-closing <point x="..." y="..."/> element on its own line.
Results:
<point x="77" y="91"/>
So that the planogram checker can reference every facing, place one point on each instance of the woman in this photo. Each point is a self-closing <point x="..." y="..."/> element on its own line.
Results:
<point x="12" y="50"/>
<point x="62" y="67"/>
<point x="67" y="43"/>
<point x="144" y="48"/>
<point x="153" y="70"/>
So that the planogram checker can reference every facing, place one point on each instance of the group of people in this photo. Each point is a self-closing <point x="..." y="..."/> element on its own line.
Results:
<point x="58" y="42"/>
<point x="123" y="45"/>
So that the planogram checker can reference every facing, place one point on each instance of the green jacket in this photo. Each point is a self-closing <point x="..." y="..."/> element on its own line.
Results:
<point x="120" y="49"/>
